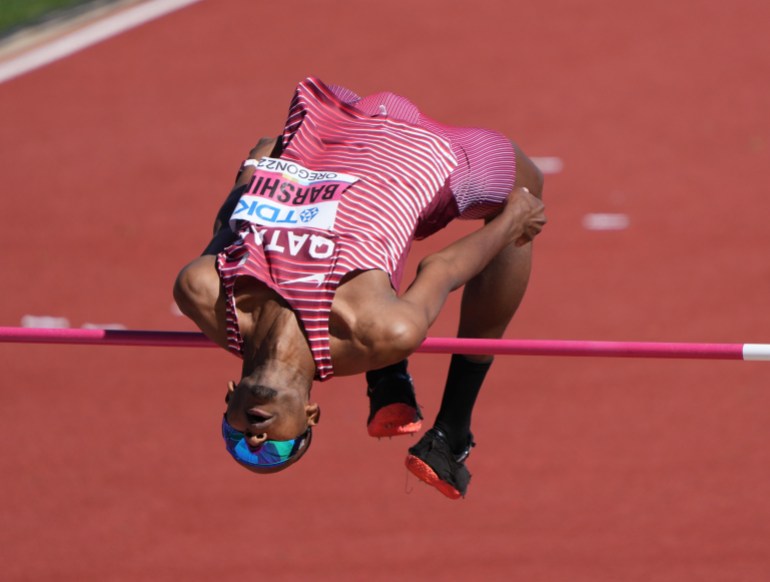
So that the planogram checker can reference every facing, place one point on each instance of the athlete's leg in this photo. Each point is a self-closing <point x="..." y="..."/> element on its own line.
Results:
<point x="489" y="302"/>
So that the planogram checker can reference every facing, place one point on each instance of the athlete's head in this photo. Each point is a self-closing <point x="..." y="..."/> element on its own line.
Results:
<point x="267" y="429"/>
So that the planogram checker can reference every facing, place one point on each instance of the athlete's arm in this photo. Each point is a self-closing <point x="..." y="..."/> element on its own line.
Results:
<point x="197" y="290"/>
<point x="198" y="294"/>
<point x="387" y="328"/>
<point x="223" y="235"/>
<point x="521" y="219"/>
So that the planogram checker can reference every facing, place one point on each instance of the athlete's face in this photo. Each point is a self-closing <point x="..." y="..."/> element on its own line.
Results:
<point x="269" y="413"/>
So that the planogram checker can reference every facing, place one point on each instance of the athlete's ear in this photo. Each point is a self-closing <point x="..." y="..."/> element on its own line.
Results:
<point x="313" y="412"/>
<point x="230" y="390"/>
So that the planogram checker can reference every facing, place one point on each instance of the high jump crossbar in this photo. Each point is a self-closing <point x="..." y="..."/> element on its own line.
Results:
<point x="432" y="345"/>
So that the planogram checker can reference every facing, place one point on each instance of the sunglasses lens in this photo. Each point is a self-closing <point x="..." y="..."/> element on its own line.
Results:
<point x="269" y="454"/>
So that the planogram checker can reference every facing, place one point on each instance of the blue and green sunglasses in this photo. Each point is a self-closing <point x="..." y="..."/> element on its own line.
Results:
<point x="271" y="455"/>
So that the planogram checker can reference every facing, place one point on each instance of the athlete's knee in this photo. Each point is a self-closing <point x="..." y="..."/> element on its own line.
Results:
<point x="538" y="181"/>
<point x="528" y="175"/>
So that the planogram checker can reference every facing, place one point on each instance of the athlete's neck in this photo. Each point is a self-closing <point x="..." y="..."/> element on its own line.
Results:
<point x="272" y="336"/>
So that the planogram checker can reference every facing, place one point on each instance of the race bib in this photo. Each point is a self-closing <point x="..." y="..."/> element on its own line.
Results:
<point x="284" y="194"/>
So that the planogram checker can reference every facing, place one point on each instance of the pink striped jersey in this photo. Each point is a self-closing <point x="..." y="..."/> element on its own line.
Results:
<point x="357" y="180"/>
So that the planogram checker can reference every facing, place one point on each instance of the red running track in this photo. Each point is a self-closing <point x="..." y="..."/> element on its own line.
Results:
<point x="114" y="161"/>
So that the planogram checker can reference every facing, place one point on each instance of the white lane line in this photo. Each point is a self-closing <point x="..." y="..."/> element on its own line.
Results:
<point x="56" y="322"/>
<point x="87" y="36"/>
<point x="103" y="326"/>
<point x="603" y="221"/>
<point x="548" y="164"/>
<point x="47" y="321"/>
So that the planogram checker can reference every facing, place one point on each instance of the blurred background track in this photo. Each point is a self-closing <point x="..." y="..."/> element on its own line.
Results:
<point x="115" y="160"/>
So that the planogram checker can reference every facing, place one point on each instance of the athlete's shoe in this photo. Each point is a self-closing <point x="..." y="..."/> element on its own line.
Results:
<point x="393" y="408"/>
<point x="431" y="460"/>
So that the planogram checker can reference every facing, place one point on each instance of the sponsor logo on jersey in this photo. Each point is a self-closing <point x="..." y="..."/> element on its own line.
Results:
<point x="283" y="193"/>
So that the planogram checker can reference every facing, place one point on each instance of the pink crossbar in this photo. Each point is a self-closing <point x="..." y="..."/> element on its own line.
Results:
<point x="432" y="345"/>
<point x="584" y="348"/>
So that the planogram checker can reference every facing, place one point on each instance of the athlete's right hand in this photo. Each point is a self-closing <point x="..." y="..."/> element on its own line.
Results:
<point x="525" y="214"/>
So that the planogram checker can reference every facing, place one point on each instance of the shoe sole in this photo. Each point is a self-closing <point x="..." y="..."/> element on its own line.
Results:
<point x="394" y="420"/>
<point x="424" y="473"/>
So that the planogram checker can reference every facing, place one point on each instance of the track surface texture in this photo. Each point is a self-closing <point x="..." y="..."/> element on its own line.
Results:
<point x="115" y="159"/>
